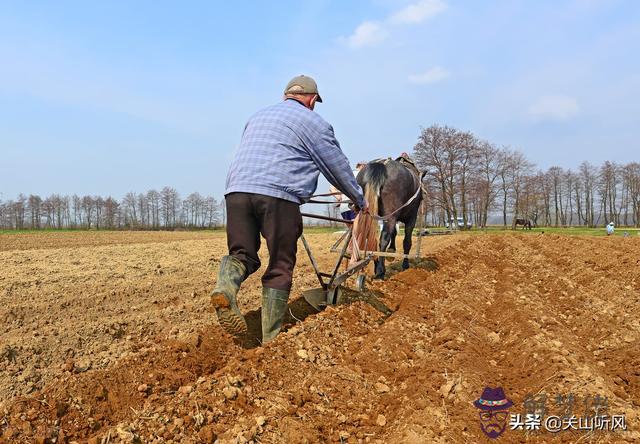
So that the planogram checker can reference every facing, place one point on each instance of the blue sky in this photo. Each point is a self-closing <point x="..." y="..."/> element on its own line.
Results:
<point x="110" y="97"/>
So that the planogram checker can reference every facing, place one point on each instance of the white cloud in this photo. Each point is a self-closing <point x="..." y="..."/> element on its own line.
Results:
<point x="418" y="12"/>
<point x="367" y="34"/>
<point x="434" y="75"/>
<point x="554" y="107"/>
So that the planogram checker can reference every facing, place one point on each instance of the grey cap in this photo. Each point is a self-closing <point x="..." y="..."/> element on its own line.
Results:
<point x="302" y="85"/>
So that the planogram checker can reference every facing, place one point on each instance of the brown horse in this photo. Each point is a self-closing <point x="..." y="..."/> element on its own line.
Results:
<point x="394" y="193"/>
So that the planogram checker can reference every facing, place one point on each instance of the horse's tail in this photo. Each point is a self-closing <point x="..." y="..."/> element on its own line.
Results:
<point x="365" y="229"/>
<point x="374" y="177"/>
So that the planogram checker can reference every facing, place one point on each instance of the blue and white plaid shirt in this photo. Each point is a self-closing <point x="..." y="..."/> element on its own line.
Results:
<point x="283" y="150"/>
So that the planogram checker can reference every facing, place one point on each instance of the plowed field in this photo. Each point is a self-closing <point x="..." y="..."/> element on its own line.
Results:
<point x="108" y="337"/>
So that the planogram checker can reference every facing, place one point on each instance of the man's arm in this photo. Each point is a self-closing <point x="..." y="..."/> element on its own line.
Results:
<point x="334" y="165"/>
<point x="337" y="196"/>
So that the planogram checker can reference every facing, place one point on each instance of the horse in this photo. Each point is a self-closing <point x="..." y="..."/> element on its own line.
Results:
<point x="393" y="190"/>
<point x="526" y="223"/>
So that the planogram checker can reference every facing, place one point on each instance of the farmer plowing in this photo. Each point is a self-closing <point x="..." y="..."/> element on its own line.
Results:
<point x="283" y="150"/>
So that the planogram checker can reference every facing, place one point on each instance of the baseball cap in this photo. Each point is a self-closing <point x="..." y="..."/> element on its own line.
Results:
<point x="302" y="85"/>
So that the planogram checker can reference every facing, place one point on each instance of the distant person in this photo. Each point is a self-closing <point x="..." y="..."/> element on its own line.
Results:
<point x="283" y="150"/>
<point x="610" y="229"/>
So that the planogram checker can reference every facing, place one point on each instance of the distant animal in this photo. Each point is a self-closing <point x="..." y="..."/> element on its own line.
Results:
<point x="393" y="189"/>
<point x="526" y="223"/>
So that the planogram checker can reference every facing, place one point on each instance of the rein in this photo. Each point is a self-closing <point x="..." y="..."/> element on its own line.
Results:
<point x="411" y="199"/>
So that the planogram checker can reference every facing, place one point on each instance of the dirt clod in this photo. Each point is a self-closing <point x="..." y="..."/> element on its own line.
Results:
<point x="381" y="388"/>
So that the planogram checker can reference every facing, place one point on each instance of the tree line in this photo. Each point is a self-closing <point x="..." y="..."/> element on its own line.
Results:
<point x="466" y="177"/>
<point x="474" y="179"/>
<point x="153" y="210"/>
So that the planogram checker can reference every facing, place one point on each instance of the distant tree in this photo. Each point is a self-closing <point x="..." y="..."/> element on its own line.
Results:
<point x="505" y="183"/>
<point x="588" y="176"/>
<point x="99" y="207"/>
<point x="19" y="211"/>
<point x="520" y="170"/>
<point x="608" y="188"/>
<point x="632" y="179"/>
<point x="212" y="212"/>
<point x="88" y="208"/>
<point x="110" y="213"/>
<point x="33" y="206"/>
<point x="153" y="200"/>
<point x="193" y="208"/>
<point x="555" y="174"/>
<point x="435" y="154"/>
<point x="488" y="170"/>
<point x="170" y="204"/>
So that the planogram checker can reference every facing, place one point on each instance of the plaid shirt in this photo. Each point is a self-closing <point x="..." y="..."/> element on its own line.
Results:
<point x="283" y="150"/>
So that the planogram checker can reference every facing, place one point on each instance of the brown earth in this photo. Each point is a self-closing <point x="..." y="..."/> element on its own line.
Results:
<point x="109" y="338"/>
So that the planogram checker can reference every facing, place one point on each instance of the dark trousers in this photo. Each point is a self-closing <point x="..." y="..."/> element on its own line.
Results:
<point x="280" y="223"/>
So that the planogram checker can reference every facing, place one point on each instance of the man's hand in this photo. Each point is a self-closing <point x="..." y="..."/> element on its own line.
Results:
<point x="363" y="209"/>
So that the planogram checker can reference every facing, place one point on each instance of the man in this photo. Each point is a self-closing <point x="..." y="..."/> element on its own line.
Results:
<point x="282" y="151"/>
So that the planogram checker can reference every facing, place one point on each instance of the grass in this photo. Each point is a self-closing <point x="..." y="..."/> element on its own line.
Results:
<point x="43" y="230"/>
<point x="573" y="231"/>
<point x="93" y="230"/>
<point x="497" y="229"/>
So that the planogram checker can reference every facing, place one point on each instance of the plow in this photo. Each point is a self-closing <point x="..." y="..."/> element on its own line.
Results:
<point x="332" y="289"/>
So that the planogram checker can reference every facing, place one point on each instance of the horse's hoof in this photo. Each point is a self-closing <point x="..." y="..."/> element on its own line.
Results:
<point x="405" y="264"/>
<point x="379" y="276"/>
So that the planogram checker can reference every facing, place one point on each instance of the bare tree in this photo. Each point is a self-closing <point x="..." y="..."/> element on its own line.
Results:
<point x="153" y="199"/>
<point x="431" y="157"/>
<point x="488" y="170"/>
<point x="505" y="182"/>
<point x="608" y="189"/>
<point x="170" y="203"/>
<point x="519" y="171"/>
<point x="33" y="204"/>
<point x="110" y="213"/>
<point x="212" y="212"/>
<point x="588" y="181"/>
<point x="555" y="173"/>
<point x="631" y="177"/>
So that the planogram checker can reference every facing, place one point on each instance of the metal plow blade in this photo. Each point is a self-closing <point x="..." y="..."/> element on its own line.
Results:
<point x="319" y="298"/>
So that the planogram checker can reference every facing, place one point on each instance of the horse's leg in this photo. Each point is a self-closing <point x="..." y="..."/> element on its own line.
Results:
<point x="406" y="243"/>
<point x="393" y="234"/>
<point x="385" y="238"/>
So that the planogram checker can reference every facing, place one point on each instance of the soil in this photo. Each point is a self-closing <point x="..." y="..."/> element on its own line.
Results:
<point x="108" y="337"/>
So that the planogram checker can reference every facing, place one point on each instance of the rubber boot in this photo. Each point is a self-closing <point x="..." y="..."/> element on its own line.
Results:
<point x="223" y="297"/>
<point x="274" y="307"/>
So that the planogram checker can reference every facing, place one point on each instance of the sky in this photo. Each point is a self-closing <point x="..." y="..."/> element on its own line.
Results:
<point x="111" y="97"/>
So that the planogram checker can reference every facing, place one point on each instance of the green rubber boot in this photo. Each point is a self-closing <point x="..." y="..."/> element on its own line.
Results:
<point x="223" y="297"/>
<point x="274" y="307"/>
